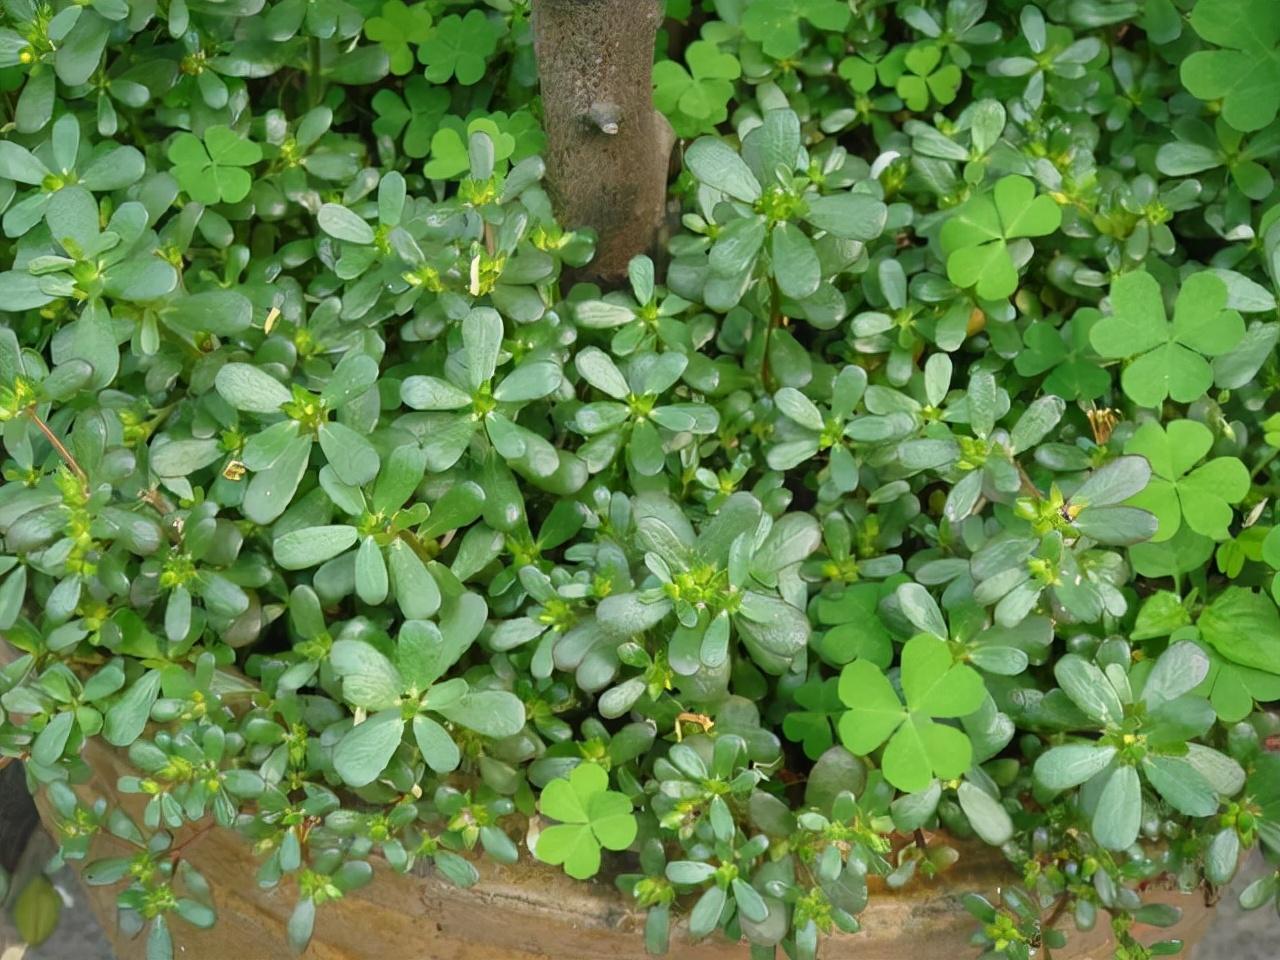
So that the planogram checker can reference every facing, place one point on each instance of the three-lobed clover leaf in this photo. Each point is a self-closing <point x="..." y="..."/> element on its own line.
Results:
<point x="1179" y="491"/>
<point x="775" y="24"/>
<point x="935" y="687"/>
<point x="696" y="100"/>
<point x="821" y="707"/>
<point x="921" y="77"/>
<point x="417" y="114"/>
<point x="1245" y="75"/>
<point x="979" y="236"/>
<point x="1066" y="354"/>
<point x="212" y="169"/>
<point x="1169" y="358"/>
<point x="1234" y="689"/>
<point x="398" y="26"/>
<point x="1242" y="625"/>
<point x="591" y="817"/>
<point x="459" y="47"/>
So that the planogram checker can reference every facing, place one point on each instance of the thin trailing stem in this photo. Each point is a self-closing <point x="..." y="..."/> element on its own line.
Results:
<point x="57" y="445"/>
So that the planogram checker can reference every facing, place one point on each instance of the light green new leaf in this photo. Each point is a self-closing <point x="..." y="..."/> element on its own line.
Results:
<point x="591" y="815"/>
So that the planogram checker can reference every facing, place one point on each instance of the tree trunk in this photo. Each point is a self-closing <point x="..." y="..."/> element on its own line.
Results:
<point x="608" y="147"/>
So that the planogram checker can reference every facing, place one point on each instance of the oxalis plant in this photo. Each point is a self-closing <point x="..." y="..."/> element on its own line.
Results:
<point x="915" y="492"/>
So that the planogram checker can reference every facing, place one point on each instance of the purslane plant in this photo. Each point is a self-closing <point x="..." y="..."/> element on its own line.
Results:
<point x="921" y="487"/>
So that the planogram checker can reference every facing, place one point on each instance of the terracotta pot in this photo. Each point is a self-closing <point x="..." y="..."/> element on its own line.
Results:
<point x="532" y="912"/>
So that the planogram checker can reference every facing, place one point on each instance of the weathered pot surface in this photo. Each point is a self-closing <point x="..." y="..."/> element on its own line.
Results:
<point x="531" y="911"/>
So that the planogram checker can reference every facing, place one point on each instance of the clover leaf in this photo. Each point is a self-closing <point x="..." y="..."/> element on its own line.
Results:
<point x="696" y="100"/>
<point x="811" y="726"/>
<point x="854" y="630"/>
<point x="212" y="170"/>
<point x="591" y="817"/>
<point x="450" y="157"/>
<point x="1233" y="689"/>
<point x="1177" y="493"/>
<point x="1242" y="625"/>
<point x="417" y="114"/>
<point x="925" y="76"/>
<point x="918" y="747"/>
<point x="459" y="47"/>
<point x="977" y="236"/>
<point x="1245" y="75"/>
<point x="397" y="27"/>
<point x="775" y="24"/>
<point x="1169" y="358"/>
<point x="1074" y="371"/>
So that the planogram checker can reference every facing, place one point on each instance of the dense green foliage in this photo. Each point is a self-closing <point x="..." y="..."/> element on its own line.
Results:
<point x="926" y="489"/>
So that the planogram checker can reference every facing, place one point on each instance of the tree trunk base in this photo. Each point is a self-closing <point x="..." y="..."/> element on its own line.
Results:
<point x="608" y="148"/>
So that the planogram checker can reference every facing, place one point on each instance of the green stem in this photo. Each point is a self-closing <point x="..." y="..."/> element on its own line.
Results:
<point x="315" y="81"/>
<point x="775" y="318"/>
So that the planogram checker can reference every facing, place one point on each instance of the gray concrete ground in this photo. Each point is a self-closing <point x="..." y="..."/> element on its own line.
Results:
<point x="1236" y="935"/>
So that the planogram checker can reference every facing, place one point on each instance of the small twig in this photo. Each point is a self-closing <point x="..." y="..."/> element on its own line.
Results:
<point x="157" y="501"/>
<point x="58" y="446"/>
<point x="1028" y="487"/>
<point x="176" y="853"/>
<point x="921" y="841"/>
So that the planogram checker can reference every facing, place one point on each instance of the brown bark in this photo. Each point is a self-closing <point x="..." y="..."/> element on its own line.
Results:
<point x="608" y="147"/>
